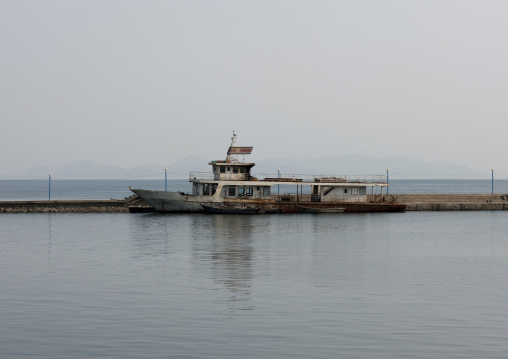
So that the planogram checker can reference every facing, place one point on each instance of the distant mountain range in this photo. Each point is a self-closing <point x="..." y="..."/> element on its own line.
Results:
<point x="91" y="170"/>
<point x="400" y="167"/>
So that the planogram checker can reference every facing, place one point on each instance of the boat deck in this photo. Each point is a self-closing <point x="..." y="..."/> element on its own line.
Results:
<point x="299" y="179"/>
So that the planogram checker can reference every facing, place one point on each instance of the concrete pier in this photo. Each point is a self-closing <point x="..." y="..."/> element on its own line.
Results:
<point x="450" y="201"/>
<point x="413" y="202"/>
<point x="73" y="206"/>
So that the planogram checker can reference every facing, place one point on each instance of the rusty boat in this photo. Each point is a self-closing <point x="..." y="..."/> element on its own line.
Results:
<point x="232" y="185"/>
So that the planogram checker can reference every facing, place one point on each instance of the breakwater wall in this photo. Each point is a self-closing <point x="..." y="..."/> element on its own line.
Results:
<point x="413" y="202"/>
<point x="73" y="206"/>
<point x="450" y="201"/>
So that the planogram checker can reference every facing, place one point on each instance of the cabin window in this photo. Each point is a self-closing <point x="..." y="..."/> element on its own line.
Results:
<point x="345" y="190"/>
<point x="241" y="191"/>
<point x="235" y="169"/>
<point x="214" y="189"/>
<point x="241" y="169"/>
<point x="232" y="191"/>
<point x="354" y="190"/>
<point x="249" y="191"/>
<point x="222" y="169"/>
<point x="266" y="191"/>
<point x="229" y="170"/>
<point x="206" y="190"/>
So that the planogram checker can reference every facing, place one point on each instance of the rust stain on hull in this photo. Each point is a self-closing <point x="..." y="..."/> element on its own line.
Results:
<point x="349" y="207"/>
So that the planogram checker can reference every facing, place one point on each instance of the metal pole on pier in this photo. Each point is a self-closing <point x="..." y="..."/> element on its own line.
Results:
<point x="278" y="176"/>
<point x="166" y="179"/>
<point x="492" y="181"/>
<point x="388" y="181"/>
<point x="49" y="190"/>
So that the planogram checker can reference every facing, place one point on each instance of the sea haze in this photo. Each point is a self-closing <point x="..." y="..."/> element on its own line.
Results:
<point x="334" y="165"/>
<point x="417" y="284"/>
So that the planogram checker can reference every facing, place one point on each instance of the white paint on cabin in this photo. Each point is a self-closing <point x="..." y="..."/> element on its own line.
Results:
<point x="343" y="194"/>
<point x="248" y="191"/>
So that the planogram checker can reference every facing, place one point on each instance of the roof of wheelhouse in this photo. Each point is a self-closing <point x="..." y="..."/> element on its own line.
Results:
<point x="232" y="151"/>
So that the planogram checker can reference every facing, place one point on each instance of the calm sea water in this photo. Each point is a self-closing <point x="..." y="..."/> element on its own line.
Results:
<point x="419" y="284"/>
<point x="402" y="285"/>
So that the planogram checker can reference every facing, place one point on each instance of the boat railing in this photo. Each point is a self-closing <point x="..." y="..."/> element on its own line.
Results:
<point x="201" y="176"/>
<point x="293" y="178"/>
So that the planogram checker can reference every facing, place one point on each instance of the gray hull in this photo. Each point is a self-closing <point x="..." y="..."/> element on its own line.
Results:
<point x="172" y="201"/>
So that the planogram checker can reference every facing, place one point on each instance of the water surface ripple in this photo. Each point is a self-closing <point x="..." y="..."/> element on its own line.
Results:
<point x="409" y="285"/>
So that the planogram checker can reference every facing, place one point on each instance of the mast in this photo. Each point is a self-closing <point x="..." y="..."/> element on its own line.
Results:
<point x="233" y="141"/>
<point x="235" y="150"/>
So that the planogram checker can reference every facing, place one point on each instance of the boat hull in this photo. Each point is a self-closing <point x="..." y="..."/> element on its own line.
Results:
<point x="320" y="209"/>
<point x="164" y="201"/>
<point x="224" y="209"/>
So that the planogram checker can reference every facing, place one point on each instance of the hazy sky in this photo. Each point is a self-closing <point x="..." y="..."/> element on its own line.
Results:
<point x="150" y="82"/>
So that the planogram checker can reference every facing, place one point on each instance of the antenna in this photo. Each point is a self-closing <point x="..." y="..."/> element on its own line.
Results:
<point x="233" y="150"/>
<point x="233" y="139"/>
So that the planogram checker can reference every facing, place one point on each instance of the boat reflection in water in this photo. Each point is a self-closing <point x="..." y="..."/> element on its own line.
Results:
<point x="228" y="254"/>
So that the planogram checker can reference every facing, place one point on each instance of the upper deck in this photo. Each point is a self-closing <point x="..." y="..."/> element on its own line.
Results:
<point x="295" y="179"/>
